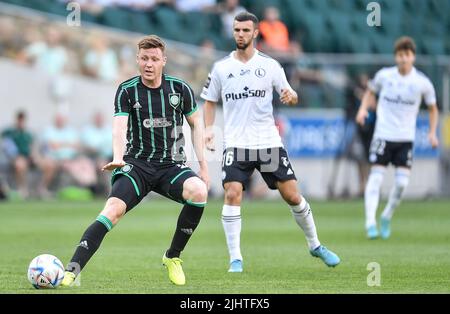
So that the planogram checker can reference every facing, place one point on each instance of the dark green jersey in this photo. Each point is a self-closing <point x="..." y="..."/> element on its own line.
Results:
<point x="23" y="140"/>
<point x="155" y="118"/>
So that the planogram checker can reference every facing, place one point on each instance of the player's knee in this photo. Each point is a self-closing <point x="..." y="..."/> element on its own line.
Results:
<point x="293" y="198"/>
<point x="233" y="194"/>
<point x="402" y="178"/>
<point x="114" y="209"/>
<point x="195" y="190"/>
<point x="376" y="178"/>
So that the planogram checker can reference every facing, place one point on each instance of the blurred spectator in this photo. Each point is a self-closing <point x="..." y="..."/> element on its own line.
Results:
<point x="9" y="42"/>
<point x="97" y="143"/>
<point x="62" y="152"/>
<point x="195" y="5"/>
<point x="101" y="61"/>
<point x="137" y="4"/>
<point x="228" y="11"/>
<point x="17" y="144"/>
<point x="94" y="7"/>
<point x="49" y="55"/>
<point x="275" y="36"/>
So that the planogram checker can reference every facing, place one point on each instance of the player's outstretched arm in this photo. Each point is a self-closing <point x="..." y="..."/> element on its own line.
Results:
<point x="434" y="118"/>
<point x="197" y="135"/>
<point x="209" y="116"/>
<point x="368" y="100"/>
<point x="120" y="124"/>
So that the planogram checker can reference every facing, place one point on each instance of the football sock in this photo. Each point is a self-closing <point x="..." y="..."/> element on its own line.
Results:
<point x="188" y="221"/>
<point x="395" y="196"/>
<point x="89" y="243"/>
<point x="303" y="216"/>
<point x="231" y="221"/>
<point x="372" y="194"/>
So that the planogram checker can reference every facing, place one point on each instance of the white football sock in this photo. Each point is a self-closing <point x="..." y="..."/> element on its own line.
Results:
<point x="303" y="216"/>
<point x="231" y="221"/>
<point x="395" y="197"/>
<point x="372" y="194"/>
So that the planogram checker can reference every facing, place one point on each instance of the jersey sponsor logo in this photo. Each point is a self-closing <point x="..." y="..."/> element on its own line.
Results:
<point x="174" y="99"/>
<point x="156" y="123"/>
<point x="137" y="105"/>
<point x="260" y="72"/>
<point x="289" y="172"/>
<point x="244" y="72"/>
<point x="230" y="76"/>
<point x="399" y="100"/>
<point x="248" y="93"/>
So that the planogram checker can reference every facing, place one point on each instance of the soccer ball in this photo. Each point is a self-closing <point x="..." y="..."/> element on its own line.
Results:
<point x="45" y="271"/>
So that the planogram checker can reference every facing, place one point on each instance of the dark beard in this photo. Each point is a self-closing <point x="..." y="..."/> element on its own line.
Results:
<point x="242" y="46"/>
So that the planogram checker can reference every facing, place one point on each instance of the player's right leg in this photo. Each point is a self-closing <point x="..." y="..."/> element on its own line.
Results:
<point x="238" y="165"/>
<point x="123" y="197"/>
<point x="379" y="156"/>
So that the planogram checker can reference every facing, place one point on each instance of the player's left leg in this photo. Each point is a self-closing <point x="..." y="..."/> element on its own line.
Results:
<point x="302" y="214"/>
<point x="395" y="197"/>
<point x="191" y="190"/>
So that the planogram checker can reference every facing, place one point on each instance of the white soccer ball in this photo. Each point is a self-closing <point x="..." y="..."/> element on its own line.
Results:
<point x="45" y="271"/>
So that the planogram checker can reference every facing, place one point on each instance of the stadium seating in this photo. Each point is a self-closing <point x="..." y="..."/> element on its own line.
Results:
<point x="320" y="25"/>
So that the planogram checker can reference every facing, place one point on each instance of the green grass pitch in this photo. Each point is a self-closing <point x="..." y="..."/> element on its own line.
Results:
<point x="415" y="260"/>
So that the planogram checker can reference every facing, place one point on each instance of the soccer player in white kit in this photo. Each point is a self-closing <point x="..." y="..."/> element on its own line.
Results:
<point x="245" y="81"/>
<point x="400" y="91"/>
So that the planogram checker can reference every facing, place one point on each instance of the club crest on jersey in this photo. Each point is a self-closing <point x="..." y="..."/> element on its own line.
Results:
<point x="260" y="72"/>
<point x="174" y="99"/>
<point x="137" y="105"/>
<point x="127" y="168"/>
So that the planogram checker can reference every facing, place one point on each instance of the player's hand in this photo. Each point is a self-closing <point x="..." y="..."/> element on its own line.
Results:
<point x="434" y="141"/>
<point x="113" y="165"/>
<point x="203" y="174"/>
<point x="209" y="140"/>
<point x="288" y="97"/>
<point x="361" y="116"/>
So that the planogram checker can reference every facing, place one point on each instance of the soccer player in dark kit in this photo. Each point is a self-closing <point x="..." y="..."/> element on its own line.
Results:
<point x="149" y="156"/>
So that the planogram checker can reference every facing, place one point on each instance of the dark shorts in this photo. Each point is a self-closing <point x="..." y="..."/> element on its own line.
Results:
<point x="137" y="178"/>
<point x="273" y="163"/>
<point x="382" y="152"/>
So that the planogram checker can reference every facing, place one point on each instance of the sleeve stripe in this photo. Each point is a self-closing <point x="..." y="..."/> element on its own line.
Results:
<point x="121" y="114"/>
<point x="191" y="112"/>
<point x="118" y="100"/>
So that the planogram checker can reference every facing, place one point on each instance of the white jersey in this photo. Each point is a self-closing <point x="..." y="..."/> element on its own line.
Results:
<point x="399" y="99"/>
<point x="247" y="92"/>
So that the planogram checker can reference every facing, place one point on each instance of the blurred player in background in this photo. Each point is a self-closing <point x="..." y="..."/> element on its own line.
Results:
<point x="400" y="90"/>
<point x="245" y="80"/>
<point x="149" y="111"/>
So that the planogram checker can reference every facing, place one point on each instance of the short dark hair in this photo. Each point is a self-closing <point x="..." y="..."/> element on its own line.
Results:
<point x="405" y="43"/>
<point x="20" y="115"/>
<point x="247" y="16"/>
<point x="152" y="41"/>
